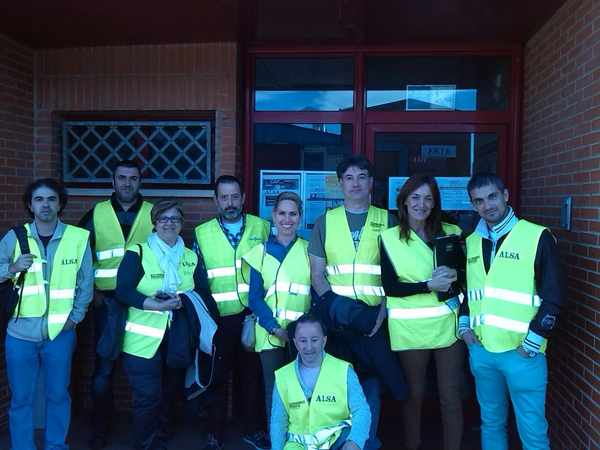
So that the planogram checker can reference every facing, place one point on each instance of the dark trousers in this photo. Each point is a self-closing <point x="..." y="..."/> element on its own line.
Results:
<point x="449" y="363"/>
<point x="271" y="360"/>
<point x="244" y="366"/>
<point x="154" y="387"/>
<point x="102" y="389"/>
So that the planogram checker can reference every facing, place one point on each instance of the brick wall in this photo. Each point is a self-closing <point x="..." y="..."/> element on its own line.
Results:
<point x="16" y="151"/>
<point x="190" y="77"/>
<point x="561" y="156"/>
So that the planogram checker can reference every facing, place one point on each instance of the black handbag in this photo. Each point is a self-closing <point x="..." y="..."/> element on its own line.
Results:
<point x="10" y="291"/>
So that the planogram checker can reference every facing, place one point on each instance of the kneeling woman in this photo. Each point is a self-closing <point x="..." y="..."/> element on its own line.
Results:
<point x="149" y="281"/>
<point x="420" y="326"/>
<point x="279" y="287"/>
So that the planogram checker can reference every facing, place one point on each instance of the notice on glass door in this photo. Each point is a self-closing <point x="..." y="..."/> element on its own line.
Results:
<point x="321" y="192"/>
<point x="394" y="186"/>
<point x="273" y="183"/>
<point x="453" y="191"/>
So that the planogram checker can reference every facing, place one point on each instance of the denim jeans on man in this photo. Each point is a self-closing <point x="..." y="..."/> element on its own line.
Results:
<point x="508" y="375"/>
<point x="24" y="360"/>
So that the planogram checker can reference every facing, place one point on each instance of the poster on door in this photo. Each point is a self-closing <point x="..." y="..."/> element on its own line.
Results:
<point x="273" y="183"/>
<point x="321" y="193"/>
<point x="453" y="192"/>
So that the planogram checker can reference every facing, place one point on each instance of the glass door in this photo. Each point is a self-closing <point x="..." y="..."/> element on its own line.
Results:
<point x="450" y="152"/>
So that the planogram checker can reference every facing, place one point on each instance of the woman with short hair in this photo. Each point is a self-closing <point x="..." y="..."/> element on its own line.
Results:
<point x="150" y="279"/>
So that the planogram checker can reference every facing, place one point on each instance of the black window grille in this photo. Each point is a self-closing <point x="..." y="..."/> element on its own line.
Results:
<point x="170" y="152"/>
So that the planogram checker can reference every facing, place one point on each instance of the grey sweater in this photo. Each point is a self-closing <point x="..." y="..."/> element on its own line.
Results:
<point x="36" y="329"/>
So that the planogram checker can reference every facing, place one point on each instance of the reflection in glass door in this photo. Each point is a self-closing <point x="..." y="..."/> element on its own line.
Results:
<point x="450" y="153"/>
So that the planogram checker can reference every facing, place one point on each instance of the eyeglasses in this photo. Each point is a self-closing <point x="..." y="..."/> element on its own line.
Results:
<point x="172" y="219"/>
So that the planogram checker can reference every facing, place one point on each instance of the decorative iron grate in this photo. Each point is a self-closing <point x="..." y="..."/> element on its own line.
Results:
<point x="170" y="152"/>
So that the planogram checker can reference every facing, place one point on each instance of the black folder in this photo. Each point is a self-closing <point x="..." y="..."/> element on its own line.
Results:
<point x="447" y="251"/>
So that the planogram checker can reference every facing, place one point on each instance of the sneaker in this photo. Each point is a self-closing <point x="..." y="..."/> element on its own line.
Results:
<point x="213" y="444"/>
<point x="258" y="440"/>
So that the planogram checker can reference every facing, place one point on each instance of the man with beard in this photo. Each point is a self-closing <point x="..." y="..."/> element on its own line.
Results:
<point x="220" y="243"/>
<point x="55" y="294"/>
<point x="515" y="292"/>
<point x="114" y="225"/>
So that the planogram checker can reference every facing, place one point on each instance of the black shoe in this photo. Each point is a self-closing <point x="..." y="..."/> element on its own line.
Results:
<point x="258" y="440"/>
<point x="213" y="444"/>
<point x="97" y="443"/>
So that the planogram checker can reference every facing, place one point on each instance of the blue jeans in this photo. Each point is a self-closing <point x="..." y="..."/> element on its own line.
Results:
<point x="24" y="360"/>
<point x="508" y="375"/>
<point x="372" y="390"/>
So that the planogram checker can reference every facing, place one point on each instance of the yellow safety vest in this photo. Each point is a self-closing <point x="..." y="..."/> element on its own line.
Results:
<point x="63" y="279"/>
<point x="111" y="244"/>
<point x="144" y="330"/>
<point x="223" y="263"/>
<point x="418" y="321"/>
<point x="503" y="302"/>
<point x="355" y="273"/>
<point x="286" y="285"/>
<point x="315" y="424"/>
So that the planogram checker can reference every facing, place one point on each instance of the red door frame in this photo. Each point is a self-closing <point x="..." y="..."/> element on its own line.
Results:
<point x="361" y="119"/>
<point x="500" y="130"/>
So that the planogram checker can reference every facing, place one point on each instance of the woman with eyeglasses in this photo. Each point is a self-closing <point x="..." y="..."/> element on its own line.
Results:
<point x="279" y="287"/>
<point x="422" y="307"/>
<point x="150" y="279"/>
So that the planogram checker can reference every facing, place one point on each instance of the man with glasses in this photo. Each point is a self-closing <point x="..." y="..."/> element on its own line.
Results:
<point x="114" y="225"/>
<point x="221" y="243"/>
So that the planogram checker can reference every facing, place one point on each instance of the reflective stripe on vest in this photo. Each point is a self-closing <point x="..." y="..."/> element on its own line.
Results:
<point x="505" y="295"/>
<point x="354" y="272"/>
<point x="358" y="291"/>
<point x="287" y="287"/>
<point x="417" y="321"/>
<point x="499" y="322"/>
<point x="56" y="301"/>
<point x="144" y="330"/>
<point x="319" y="422"/>
<point x="110" y="243"/>
<point x="503" y="301"/>
<point x="420" y="313"/>
<point x="321" y="439"/>
<point x="343" y="269"/>
<point x="228" y="284"/>
<point x="107" y="254"/>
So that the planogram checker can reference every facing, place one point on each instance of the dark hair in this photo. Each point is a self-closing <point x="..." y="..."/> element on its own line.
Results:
<point x="50" y="183"/>
<point x="287" y="195"/>
<point x="128" y="163"/>
<point x="309" y="318"/>
<point x="482" y="179"/>
<point x="164" y="205"/>
<point x="433" y="223"/>
<point x="354" y="161"/>
<point x="225" y="179"/>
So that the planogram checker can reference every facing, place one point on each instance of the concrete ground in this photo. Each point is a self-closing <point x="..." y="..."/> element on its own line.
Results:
<point x="191" y="436"/>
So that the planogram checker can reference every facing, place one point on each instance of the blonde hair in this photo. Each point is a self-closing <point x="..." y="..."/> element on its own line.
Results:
<point x="287" y="195"/>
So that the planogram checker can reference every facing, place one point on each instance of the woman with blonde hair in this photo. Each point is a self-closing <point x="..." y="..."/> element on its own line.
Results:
<point x="279" y="287"/>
